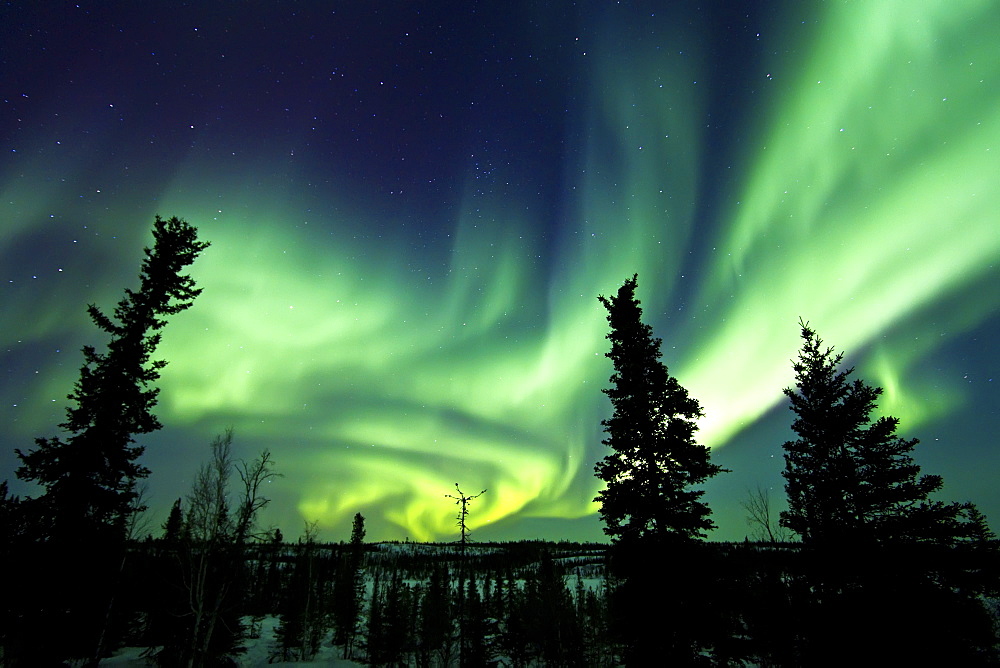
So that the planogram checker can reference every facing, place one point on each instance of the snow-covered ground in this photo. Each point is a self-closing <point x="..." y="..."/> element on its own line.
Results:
<point x="259" y="651"/>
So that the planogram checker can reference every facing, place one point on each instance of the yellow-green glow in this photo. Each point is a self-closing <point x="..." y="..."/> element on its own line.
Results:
<point x="381" y="366"/>
<point x="409" y="386"/>
<point x="478" y="376"/>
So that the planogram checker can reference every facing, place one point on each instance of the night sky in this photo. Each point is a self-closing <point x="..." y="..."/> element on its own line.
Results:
<point x="414" y="205"/>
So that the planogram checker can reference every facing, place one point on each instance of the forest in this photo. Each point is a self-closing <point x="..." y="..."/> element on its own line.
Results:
<point x="864" y="566"/>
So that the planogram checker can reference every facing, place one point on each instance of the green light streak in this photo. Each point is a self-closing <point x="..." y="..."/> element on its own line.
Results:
<point x="639" y="175"/>
<point x="872" y="197"/>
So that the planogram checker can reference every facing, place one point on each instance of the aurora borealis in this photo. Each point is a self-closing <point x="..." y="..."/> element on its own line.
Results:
<point x="413" y="206"/>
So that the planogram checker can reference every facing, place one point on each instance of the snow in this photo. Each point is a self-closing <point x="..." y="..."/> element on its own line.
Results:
<point x="259" y="650"/>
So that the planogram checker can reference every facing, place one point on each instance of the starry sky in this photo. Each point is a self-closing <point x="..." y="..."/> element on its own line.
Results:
<point x="413" y="206"/>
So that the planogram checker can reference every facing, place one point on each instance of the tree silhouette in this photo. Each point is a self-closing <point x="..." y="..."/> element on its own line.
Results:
<point x="761" y="517"/>
<point x="358" y="531"/>
<point x="303" y="617"/>
<point x="463" y="500"/>
<point x="649" y="507"/>
<point x="174" y="525"/>
<point x="655" y="459"/>
<point x="848" y="477"/>
<point x="90" y="477"/>
<point x="217" y="528"/>
<point x="349" y="590"/>
<point x="888" y="571"/>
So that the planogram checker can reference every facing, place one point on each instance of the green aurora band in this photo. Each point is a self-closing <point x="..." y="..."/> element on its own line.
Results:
<point x="869" y="200"/>
<point x="895" y="88"/>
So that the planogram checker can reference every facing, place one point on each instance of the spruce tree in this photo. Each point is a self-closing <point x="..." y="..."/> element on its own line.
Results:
<point x="358" y="532"/>
<point x="887" y="573"/>
<point x="174" y="525"/>
<point x="463" y="500"/>
<point x="12" y="520"/>
<point x="654" y="460"/>
<point x="436" y="626"/>
<point x="90" y="476"/>
<point x="472" y="625"/>
<point x="650" y="507"/>
<point x="302" y="611"/>
<point x="849" y="477"/>
<point x="349" y="589"/>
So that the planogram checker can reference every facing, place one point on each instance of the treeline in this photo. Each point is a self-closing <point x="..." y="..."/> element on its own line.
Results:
<point x="527" y="604"/>
<point x="432" y="608"/>
<point x="196" y="602"/>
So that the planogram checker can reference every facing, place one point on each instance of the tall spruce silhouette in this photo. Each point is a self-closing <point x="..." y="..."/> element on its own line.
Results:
<point x="90" y="477"/>
<point x="887" y="573"/>
<point x="654" y="459"/>
<point x="650" y="506"/>
<point x="849" y="477"/>
<point x="349" y="590"/>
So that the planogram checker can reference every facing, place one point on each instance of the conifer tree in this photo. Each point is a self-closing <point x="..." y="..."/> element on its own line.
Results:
<point x="12" y="520"/>
<point x="90" y="477"/>
<point x="472" y="631"/>
<point x="463" y="500"/>
<point x="655" y="459"/>
<point x="271" y="591"/>
<point x="849" y="478"/>
<point x="348" y="590"/>
<point x="174" y="525"/>
<point x="650" y="507"/>
<point x="517" y="626"/>
<point x="436" y="627"/>
<point x="896" y="573"/>
<point x="302" y="613"/>
<point x="358" y="532"/>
